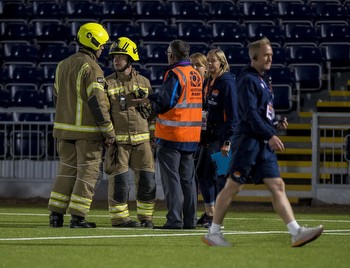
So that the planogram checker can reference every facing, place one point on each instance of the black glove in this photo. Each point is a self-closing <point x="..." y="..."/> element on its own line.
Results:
<point x="144" y="110"/>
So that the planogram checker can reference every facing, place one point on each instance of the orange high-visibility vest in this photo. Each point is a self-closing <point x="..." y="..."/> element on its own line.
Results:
<point x="182" y="123"/>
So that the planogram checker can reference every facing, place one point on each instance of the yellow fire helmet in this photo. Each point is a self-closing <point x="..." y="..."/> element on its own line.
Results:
<point x="124" y="45"/>
<point x="92" y="35"/>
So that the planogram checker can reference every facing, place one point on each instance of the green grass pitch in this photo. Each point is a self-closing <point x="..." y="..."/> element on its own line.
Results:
<point x="259" y="238"/>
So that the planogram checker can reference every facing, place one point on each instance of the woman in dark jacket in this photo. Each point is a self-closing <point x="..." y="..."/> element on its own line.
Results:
<point x="218" y="127"/>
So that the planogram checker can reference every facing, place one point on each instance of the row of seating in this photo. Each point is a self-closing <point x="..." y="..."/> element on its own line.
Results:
<point x="26" y="95"/>
<point x="43" y="31"/>
<point x="21" y="139"/>
<point x="18" y="53"/>
<point x="307" y="77"/>
<point x="27" y="142"/>
<point x="178" y="9"/>
<point x="23" y="64"/>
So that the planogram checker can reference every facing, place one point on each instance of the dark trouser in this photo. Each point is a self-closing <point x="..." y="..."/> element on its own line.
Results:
<point x="178" y="180"/>
<point x="210" y="183"/>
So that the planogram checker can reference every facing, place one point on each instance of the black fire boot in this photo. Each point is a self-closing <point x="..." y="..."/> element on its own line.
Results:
<point x="56" y="220"/>
<point x="80" y="222"/>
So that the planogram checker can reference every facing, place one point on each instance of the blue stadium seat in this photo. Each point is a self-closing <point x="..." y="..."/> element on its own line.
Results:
<point x="189" y="9"/>
<point x="331" y="11"/>
<point x="308" y="76"/>
<point x="47" y="30"/>
<point x="157" y="72"/>
<point x="22" y="9"/>
<point x="145" y="72"/>
<point x="236" y="56"/>
<point x="282" y="97"/>
<point x="22" y="73"/>
<point x="228" y="31"/>
<point x="194" y="31"/>
<point x="24" y="95"/>
<point x="20" y="52"/>
<point x="337" y="55"/>
<point x="3" y="143"/>
<point x="156" y="52"/>
<point x="252" y="25"/>
<point x="115" y="9"/>
<point x="32" y="117"/>
<point x="6" y="116"/>
<point x="199" y="47"/>
<point x="48" y="71"/>
<point x="1" y="9"/>
<point x="5" y="98"/>
<point x="118" y="28"/>
<point x="281" y="75"/>
<point x="83" y="9"/>
<point x="48" y="10"/>
<point x="274" y="33"/>
<point x="46" y="90"/>
<point x="297" y="33"/>
<point x="156" y="30"/>
<point x="224" y="10"/>
<point x="55" y="52"/>
<point x="288" y="10"/>
<point x="259" y="11"/>
<point x="27" y="144"/>
<point x="280" y="56"/>
<point x="330" y="32"/>
<point x="16" y="30"/>
<point x="152" y="9"/>
<point x="305" y="54"/>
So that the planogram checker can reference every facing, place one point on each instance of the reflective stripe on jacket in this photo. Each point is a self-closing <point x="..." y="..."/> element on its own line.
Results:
<point x="182" y="123"/>
<point x="130" y="126"/>
<point x="79" y="78"/>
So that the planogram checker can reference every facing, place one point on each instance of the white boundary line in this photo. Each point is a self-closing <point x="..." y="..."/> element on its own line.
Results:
<point x="327" y="232"/>
<point x="169" y="233"/>
<point x="163" y="217"/>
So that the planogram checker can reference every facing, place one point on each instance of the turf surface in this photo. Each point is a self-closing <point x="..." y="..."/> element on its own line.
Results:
<point x="259" y="237"/>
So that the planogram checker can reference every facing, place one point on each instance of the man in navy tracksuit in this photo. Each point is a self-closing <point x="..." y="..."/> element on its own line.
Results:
<point x="255" y="158"/>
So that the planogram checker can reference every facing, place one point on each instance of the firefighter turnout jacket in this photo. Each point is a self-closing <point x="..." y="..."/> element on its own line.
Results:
<point x="82" y="122"/>
<point x="132" y="128"/>
<point x="133" y="148"/>
<point x="81" y="108"/>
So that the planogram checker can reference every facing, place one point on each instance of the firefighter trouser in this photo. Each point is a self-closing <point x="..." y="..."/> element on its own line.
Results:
<point x="78" y="173"/>
<point x="141" y="162"/>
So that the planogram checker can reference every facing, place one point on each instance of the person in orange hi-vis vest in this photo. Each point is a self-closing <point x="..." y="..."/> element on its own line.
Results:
<point x="178" y="106"/>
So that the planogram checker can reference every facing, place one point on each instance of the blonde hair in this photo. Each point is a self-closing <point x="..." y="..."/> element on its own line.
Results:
<point x="255" y="46"/>
<point x="201" y="58"/>
<point x="222" y="58"/>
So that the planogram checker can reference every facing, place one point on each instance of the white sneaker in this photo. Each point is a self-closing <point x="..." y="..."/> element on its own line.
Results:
<point x="306" y="235"/>
<point x="216" y="239"/>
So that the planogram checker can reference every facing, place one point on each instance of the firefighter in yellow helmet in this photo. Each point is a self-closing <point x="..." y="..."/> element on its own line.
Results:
<point x="133" y="148"/>
<point x="82" y="127"/>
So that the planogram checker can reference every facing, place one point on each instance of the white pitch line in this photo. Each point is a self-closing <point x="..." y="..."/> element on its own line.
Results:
<point x="328" y="232"/>
<point x="163" y="217"/>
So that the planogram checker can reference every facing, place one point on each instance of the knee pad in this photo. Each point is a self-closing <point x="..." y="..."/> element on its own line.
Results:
<point x="147" y="186"/>
<point x="121" y="187"/>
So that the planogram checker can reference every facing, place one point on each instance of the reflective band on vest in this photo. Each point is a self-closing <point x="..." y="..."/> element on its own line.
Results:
<point x="183" y="122"/>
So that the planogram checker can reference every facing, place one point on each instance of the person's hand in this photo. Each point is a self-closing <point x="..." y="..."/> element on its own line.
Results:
<point x="282" y="124"/>
<point x="225" y="149"/>
<point x="276" y="144"/>
<point x="109" y="141"/>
